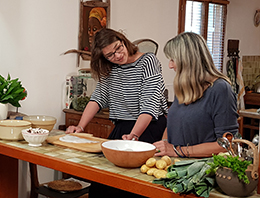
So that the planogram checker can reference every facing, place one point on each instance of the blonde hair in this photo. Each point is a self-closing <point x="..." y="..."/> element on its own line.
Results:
<point x="195" y="66"/>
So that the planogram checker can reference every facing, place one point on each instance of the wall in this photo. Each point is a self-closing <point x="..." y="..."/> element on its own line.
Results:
<point x="240" y="26"/>
<point x="34" y="34"/>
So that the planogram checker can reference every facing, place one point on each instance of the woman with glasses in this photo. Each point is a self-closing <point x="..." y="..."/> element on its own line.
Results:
<point x="130" y="84"/>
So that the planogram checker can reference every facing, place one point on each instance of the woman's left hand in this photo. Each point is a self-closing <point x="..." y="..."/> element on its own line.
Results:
<point x="164" y="148"/>
<point x="129" y="137"/>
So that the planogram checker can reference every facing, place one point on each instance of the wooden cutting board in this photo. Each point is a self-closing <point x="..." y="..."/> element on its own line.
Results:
<point x="87" y="147"/>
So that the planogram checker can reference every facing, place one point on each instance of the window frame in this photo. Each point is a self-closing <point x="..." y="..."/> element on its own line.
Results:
<point x="182" y="13"/>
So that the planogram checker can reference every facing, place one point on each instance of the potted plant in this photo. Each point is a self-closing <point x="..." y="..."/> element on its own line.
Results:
<point x="11" y="91"/>
<point x="235" y="176"/>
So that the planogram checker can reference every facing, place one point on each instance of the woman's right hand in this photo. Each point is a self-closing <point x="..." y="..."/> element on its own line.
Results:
<point x="74" y="129"/>
<point x="164" y="148"/>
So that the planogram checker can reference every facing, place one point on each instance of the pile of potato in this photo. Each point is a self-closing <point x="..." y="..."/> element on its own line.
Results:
<point x="157" y="168"/>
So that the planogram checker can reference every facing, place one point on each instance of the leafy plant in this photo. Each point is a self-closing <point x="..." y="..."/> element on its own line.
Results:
<point x="233" y="163"/>
<point x="11" y="91"/>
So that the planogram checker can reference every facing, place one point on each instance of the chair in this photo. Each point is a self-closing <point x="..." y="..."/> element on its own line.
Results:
<point x="146" y="45"/>
<point x="37" y="188"/>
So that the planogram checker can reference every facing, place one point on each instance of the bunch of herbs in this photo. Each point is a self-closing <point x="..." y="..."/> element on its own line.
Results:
<point x="231" y="162"/>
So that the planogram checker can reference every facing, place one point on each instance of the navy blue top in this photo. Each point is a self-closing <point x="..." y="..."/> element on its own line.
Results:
<point x="206" y="119"/>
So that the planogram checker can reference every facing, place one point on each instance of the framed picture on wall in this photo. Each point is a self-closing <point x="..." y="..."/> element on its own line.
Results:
<point x="94" y="15"/>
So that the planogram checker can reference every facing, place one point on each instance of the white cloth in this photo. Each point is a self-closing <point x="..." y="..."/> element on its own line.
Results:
<point x="241" y="89"/>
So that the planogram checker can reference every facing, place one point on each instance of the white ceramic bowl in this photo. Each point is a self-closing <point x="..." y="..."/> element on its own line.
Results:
<point x="35" y="139"/>
<point x="127" y="153"/>
<point x="41" y="121"/>
<point x="11" y="129"/>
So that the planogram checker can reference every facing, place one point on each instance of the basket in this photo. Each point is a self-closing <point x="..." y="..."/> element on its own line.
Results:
<point x="229" y="182"/>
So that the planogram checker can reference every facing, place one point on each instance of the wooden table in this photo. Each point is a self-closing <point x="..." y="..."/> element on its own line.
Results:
<point x="94" y="167"/>
<point x="249" y="113"/>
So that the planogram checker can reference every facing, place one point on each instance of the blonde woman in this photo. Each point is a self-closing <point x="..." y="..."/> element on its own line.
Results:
<point x="204" y="107"/>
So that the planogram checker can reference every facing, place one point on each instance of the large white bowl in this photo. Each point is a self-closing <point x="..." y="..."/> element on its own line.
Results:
<point x="128" y="153"/>
<point x="35" y="139"/>
<point x="41" y="121"/>
<point x="11" y="129"/>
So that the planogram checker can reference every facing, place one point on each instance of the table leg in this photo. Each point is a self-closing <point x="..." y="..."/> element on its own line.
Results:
<point x="8" y="177"/>
<point x="258" y="187"/>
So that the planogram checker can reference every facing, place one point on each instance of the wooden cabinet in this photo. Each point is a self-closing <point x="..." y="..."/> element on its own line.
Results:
<point x="252" y="100"/>
<point x="100" y="125"/>
<point x="249" y="124"/>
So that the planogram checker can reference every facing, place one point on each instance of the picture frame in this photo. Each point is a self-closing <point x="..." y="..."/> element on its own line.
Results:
<point x="93" y="15"/>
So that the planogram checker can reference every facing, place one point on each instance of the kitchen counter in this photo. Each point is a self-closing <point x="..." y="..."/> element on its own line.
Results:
<point x="90" y="166"/>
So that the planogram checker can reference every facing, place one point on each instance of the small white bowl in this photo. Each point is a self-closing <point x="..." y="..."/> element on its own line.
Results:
<point x="35" y="139"/>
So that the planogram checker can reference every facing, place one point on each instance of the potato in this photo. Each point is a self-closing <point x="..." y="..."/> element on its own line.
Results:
<point x="160" y="164"/>
<point x="166" y="167"/>
<point x="151" y="171"/>
<point x="167" y="159"/>
<point x="144" y="168"/>
<point x="150" y="162"/>
<point x="160" y="174"/>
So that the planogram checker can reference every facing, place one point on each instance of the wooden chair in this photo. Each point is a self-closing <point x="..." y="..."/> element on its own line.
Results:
<point x="37" y="188"/>
<point x="146" y="45"/>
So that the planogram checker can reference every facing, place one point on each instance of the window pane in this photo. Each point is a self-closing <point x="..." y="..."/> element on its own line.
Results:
<point x="194" y="19"/>
<point x="215" y="35"/>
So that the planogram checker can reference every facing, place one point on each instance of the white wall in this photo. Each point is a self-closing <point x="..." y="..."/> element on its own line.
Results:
<point x="33" y="34"/>
<point x="240" y="26"/>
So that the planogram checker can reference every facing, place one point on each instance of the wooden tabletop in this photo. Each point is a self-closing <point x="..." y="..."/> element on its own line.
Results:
<point x="90" y="166"/>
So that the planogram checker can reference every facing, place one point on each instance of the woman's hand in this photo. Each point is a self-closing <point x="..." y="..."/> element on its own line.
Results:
<point x="74" y="129"/>
<point x="164" y="148"/>
<point x="130" y="137"/>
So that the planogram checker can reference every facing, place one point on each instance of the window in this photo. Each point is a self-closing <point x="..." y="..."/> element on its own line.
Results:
<point x="207" y="18"/>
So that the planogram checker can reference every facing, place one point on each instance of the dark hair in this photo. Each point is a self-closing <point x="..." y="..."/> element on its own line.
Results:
<point x="100" y="66"/>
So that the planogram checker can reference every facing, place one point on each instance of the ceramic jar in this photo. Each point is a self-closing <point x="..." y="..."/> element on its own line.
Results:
<point x="229" y="182"/>
<point x="3" y="111"/>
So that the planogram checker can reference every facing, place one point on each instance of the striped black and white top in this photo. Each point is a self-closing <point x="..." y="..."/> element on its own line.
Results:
<point x="133" y="89"/>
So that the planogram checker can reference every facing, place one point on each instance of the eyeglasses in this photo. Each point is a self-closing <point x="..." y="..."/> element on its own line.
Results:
<point x="118" y="50"/>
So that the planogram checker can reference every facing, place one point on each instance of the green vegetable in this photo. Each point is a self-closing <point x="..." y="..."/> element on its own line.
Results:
<point x="189" y="176"/>
<point x="79" y="103"/>
<point x="194" y="168"/>
<point x="233" y="163"/>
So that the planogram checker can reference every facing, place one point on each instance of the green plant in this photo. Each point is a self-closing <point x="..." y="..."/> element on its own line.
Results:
<point x="11" y="91"/>
<point x="231" y="162"/>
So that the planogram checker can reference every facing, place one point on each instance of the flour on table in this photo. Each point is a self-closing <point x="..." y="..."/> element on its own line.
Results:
<point x="74" y="139"/>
